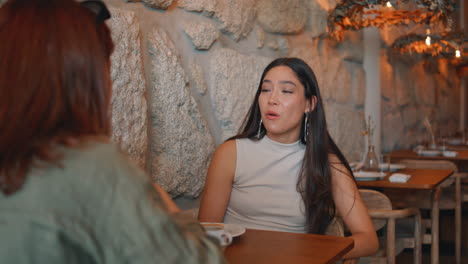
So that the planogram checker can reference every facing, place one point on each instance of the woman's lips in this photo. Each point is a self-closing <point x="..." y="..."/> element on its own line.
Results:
<point x="272" y="115"/>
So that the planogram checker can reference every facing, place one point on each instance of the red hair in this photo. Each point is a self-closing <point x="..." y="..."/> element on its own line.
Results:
<point x="54" y="82"/>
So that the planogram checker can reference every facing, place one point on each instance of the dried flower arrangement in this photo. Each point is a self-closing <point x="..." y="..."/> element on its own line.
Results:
<point x="369" y="127"/>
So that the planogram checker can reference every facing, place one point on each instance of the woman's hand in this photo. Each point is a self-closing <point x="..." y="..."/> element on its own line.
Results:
<point x="167" y="200"/>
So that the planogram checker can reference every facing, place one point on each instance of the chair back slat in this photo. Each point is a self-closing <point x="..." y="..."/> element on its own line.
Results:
<point x="335" y="228"/>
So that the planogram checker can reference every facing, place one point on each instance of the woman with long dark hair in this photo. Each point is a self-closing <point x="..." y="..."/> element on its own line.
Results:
<point x="67" y="194"/>
<point x="283" y="171"/>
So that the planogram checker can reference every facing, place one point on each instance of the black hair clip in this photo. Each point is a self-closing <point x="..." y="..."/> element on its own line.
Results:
<point x="98" y="8"/>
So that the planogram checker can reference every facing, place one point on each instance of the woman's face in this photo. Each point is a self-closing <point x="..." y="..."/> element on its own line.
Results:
<point x="282" y="104"/>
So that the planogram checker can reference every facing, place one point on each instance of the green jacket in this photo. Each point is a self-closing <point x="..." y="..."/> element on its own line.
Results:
<point x="96" y="207"/>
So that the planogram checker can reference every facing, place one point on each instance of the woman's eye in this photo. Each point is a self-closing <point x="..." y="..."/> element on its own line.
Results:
<point x="265" y="90"/>
<point x="287" y="91"/>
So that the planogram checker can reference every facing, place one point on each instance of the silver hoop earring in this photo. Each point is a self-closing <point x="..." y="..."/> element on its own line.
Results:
<point x="306" y="127"/>
<point x="259" y="129"/>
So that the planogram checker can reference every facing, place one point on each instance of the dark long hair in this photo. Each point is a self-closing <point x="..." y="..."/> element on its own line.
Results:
<point x="54" y="82"/>
<point x="314" y="182"/>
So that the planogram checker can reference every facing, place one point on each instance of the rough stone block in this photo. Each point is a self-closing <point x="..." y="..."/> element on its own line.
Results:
<point x="316" y="19"/>
<point x="424" y="87"/>
<point x="232" y="84"/>
<point x="236" y="17"/>
<point x="202" y="34"/>
<point x="345" y="126"/>
<point x="392" y="131"/>
<point x="282" y="16"/>
<point x="411" y="116"/>
<point x="181" y="144"/>
<point x="129" y="107"/>
<point x="352" y="46"/>
<point x="197" y="77"/>
<point x="359" y="86"/>
<point x="404" y="86"/>
<point x="386" y="79"/>
<point x="343" y="83"/>
<point x="327" y="4"/>
<point x="207" y="7"/>
<point x="278" y="43"/>
<point x="156" y="4"/>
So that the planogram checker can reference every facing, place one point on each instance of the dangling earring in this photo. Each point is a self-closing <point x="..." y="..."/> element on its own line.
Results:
<point x="306" y="127"/>
<point x="259" y="129"/>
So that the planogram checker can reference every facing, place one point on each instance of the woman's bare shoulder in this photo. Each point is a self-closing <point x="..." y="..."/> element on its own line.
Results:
<point x="224" y="158"/>
<point x="227" y="148"/>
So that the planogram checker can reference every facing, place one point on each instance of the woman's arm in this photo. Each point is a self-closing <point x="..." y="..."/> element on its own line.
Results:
<point x="218" y="184"/>
<point x="352" y="210"/>
<point x="133" y="224"/>
<point x="167" y="200"/>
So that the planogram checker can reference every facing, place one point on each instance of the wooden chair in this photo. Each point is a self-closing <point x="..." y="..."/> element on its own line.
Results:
<point x="450" y="197"/>
<point x="336" y="228"/>
<point x="382" y="215"/>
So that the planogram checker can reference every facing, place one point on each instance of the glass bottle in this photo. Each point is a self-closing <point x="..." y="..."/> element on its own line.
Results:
<point x="371" y="162"/>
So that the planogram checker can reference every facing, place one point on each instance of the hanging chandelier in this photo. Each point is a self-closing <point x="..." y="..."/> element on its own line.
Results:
<point x="452" y="44"/>
<point x="358" y="14"/>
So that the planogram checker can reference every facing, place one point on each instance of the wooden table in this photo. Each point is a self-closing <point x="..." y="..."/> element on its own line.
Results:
<point x="269" y="247"/>
<point x="422" y="179"/>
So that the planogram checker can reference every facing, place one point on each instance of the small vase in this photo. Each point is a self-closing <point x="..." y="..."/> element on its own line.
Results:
<point x="371" y="162"/>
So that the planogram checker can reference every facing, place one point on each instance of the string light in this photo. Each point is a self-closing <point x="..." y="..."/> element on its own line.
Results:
<point x="457" y="53"/>
<point x="389" y="4"/>
<point x="428" y="36"/>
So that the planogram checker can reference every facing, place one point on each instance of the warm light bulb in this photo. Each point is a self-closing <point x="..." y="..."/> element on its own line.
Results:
<point x="389" y="4"/>
<point x="428" y="40"/>
<point x="457" y="53"/>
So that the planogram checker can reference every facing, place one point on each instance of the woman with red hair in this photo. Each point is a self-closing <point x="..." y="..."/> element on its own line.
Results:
<point x="67" y="195"/>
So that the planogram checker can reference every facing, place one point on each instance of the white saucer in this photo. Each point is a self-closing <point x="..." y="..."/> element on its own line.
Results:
<point x="450" y="154"/>
<point x="429" y="153"/>
<point x="368" y="175"/>
<point x="455" y="141"/>
<point x="233" y="229"/>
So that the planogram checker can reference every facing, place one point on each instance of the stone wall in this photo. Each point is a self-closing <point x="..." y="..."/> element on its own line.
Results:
<point x="185" y="71"/>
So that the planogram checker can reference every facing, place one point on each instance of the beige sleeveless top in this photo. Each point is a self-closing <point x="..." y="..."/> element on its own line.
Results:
<point x="264" y="194"/>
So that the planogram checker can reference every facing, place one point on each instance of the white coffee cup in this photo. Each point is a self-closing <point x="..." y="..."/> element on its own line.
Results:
<point x="218" y="232"/>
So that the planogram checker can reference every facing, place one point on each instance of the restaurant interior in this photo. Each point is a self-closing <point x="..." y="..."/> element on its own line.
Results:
<point x="394" y="81"/>
<point x="184" y="74"/>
